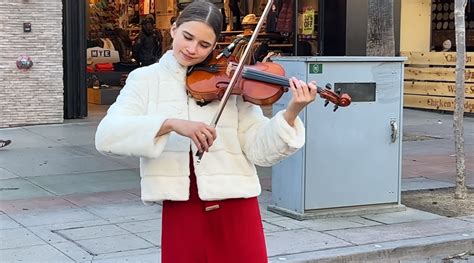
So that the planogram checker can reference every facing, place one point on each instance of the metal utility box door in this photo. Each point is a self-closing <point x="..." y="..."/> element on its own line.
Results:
<point x="352" y="157"/>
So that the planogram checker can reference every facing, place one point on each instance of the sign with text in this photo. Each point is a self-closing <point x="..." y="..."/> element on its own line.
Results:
<point x="102" y="55"/>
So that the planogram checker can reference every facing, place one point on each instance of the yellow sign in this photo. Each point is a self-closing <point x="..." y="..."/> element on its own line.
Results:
<point x="308" y="22"/>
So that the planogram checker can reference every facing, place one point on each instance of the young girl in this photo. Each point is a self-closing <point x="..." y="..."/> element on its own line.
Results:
<point x="210" y="209"/>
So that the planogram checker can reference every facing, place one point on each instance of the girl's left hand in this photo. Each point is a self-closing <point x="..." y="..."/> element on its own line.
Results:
<point x="302" y="94"/>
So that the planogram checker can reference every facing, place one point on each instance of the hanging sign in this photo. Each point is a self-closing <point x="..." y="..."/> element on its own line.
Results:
<point x="308" y="22"/>
<point x="152" y="6"/>
<point x="144" y="7"/>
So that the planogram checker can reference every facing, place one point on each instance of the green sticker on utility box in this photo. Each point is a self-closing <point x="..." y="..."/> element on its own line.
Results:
<point x="315" y="68"/>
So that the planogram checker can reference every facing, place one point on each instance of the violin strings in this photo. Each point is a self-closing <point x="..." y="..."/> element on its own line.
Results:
<point x="265" y="77"/>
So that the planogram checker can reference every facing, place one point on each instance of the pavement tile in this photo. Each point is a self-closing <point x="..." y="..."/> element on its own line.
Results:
<point x="129" y="254"/>
<point x="467" y="218"/>
<point x="136" y="191"/>
<point x="67" y="184"/>
<point x="42" y="253"/>
<point x="268" y="227"/>
<point x="18" y="237"/>
<point x="267" y="214"/>
<point x="35" y="204"/>
<point x="104" y="245"/>
<point x="284" y="242"/>
<point x="124" y="209"/>
<point x="265" y="197"/>
<point x="89" y="232"/>
<point x="48" y="232"/>
<point x="142" y="258"/>
<point x="419" y="183"/>
<point x="23" y="138"/>
<point x="141" y="226"/>
<point x="324" y="224"/>
<point x="417" y="229"/>
<point x="7" y="223"/>
<point x="20" y="188"/>
<point x="66" y="164"/>
<point x="440" y="146"/>
<point x="284" y="222"/>
<point x="408" y="215"/>
<point x="53" y="217"/>
<point x="71" y="134"/>
<point x="28" y="158"/>
<point x="134" y="218"/>
<point x="5" y="174"/>
<point x="100" y="198"/>
<point x="73" y="251"/>
<point x="153" y="237"/>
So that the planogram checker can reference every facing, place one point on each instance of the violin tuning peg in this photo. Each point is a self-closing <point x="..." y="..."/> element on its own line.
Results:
<point x="326" y="103"/>
<point x="328" y="86"/>
<point x="338" y="91"/>
<point x="335" y="108"/>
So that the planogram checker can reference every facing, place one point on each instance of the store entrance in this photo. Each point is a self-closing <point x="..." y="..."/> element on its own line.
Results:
<point x="106" y="40"/>
<point x="75" y="100"/>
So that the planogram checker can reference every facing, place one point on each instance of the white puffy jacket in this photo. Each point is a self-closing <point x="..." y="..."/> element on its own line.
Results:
<point x="244" y="137"/>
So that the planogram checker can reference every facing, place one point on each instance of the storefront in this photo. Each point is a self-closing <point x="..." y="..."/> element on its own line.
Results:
<point x="431" y="58"/>
<point x="88" y="45"/>
<point x="115" y="31"/>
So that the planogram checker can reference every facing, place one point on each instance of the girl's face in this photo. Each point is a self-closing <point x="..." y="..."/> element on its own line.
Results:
<point x="192" y="42"/>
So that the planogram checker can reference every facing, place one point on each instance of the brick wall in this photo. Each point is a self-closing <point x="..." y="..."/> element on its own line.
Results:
<point x="34" y="96"/>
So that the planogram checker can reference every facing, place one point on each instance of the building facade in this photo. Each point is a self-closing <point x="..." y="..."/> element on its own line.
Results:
<point x="35" y="95"/>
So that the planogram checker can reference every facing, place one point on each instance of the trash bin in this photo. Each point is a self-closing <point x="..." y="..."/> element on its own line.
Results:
<point x="351" y="163"/>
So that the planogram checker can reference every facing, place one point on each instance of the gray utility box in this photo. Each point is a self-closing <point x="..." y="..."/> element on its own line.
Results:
<point x="351" y="163"/>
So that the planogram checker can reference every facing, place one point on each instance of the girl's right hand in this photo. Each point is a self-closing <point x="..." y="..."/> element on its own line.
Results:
<point x="201" y="134"/>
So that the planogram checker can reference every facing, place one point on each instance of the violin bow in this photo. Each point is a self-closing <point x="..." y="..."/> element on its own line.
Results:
<point x="238" y="71"/>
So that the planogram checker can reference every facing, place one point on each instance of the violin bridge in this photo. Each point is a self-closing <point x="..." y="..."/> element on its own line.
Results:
<point x="228" y="70"/>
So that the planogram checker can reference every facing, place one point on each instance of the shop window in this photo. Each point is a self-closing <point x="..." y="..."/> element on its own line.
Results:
<point x="443" y="27"/>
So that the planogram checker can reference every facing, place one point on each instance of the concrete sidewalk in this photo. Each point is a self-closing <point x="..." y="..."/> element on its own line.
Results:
<point x="62" y="201"/>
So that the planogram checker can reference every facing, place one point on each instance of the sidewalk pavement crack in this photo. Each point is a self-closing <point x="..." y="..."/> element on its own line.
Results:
<point x="340" y="238"/>
<point x="39" y="237"/>
<point x="72" y="241"/>
<point x="307" y="251"/>
<point x="46" y="138"/>
<point x="6" y="169"/>
<point x="373" y="220"/>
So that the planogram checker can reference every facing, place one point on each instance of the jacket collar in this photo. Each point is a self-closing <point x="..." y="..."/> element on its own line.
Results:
<point x="170" y="63"/>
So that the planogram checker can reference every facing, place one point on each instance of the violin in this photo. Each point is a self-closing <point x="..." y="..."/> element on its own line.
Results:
<point x="261" y="84"/>
<point x="208" y="82"/>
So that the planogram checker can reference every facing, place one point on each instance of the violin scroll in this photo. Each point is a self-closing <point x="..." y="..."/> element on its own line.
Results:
<point x="338" y="99"/>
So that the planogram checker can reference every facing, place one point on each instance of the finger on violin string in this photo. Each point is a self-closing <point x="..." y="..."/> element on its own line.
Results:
<point x="313" y="89"/>
<point x="304" y="88"/>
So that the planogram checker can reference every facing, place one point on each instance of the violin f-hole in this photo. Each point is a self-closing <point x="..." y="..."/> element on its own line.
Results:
<point x="222" y="84"/>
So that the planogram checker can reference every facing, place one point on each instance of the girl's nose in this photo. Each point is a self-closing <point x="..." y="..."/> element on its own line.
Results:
<point x="192" y="48"/>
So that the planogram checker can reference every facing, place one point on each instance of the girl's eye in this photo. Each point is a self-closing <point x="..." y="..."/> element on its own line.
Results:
<point x="204" y="46"/>
<point x="188" y="37"/>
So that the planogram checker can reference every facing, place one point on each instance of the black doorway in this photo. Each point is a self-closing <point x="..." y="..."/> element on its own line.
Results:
<point x="333" y="27"/>
<point x="74" y="64"/>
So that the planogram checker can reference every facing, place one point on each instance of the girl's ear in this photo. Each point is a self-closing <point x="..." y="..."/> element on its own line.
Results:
<point x="173" y="30"/>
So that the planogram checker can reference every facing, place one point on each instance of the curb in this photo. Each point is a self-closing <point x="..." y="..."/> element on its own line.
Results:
<point x="392" y="251"/>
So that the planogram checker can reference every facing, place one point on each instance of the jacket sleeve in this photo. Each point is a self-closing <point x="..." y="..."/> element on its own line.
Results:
<point x="265" y="141"/>
<point x="127" y="129"/>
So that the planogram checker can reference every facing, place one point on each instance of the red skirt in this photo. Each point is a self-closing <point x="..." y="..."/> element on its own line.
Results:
<point x="196" y="231"/>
